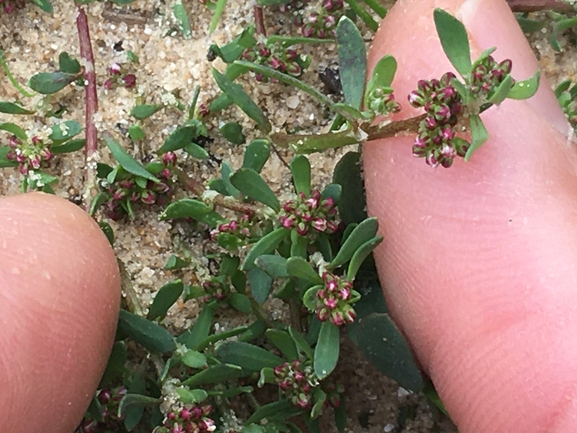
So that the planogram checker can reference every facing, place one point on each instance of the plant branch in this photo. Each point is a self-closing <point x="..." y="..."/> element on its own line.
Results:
<point x="540" y="5"/>
<point x="259" y="20"/>
<point x="91" y="103"/>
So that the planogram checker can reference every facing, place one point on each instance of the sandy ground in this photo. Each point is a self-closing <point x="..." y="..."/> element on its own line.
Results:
<point x="168" y="63"/>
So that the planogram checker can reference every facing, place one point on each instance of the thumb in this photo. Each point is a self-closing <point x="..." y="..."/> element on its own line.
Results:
<point x="478" y="262"/>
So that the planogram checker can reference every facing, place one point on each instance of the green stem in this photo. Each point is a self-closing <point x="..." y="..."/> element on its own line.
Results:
<point x="15" y="83"/>
<point x="220" y="5"/>
<point x="378" y="8"/>
<point x="292" y="40"/>
<point x="192" y="106"/>
<point x="363" y="14"/>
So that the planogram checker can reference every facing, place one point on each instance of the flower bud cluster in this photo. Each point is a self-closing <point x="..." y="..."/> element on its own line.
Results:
<point x="334" y="393"/>
<point x="310" y="215"/>
<point x="189" y="419"/>
<point x="239" y="228"/>
<point x="127" y="189"/>
<point x="436" y="135"/>
<point x="109" y="400"/>
<point x="119" y="78"/>
<point x="334" y="300"/>
<point x="296" y="380"/>
<point x="282" y="59"/>
<point x="381" y="101"/>
<point x="216" y="290"/>
<point x="321" y="23"/>
<point x="487" y="75"/>
<point x="9" y="6"/>
<point x="569" y="106"/>
<point x="30" y="155"/>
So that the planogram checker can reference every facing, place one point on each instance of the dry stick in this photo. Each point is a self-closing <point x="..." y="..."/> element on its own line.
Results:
<point x="540" y="5"/>
<point x="259" y="21"/>
<point x="91" y="146"/>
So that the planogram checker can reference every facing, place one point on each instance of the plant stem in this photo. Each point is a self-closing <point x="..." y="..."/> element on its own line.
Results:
<point x="259" y="20"/>
<point x="540" y="5"/>
<point x="91" y="105"/>
<point x="15" y="83"/>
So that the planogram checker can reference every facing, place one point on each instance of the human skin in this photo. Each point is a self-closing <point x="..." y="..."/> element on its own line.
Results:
<point x="59" y="301"/>
<point x="479" y="260"/>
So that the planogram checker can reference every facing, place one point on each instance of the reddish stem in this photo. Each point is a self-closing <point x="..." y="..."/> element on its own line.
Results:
<point x="91" y="99"/>
<point x="259" y="21"/>
<point x="539" y="5"/>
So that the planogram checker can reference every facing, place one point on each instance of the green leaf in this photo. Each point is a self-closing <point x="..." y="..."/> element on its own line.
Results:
<point x="135" y="400"/>
<point x="4" y="161"/>
<point x="182" y="18"/>
<point x="51" y="82"/>
<point x="352" y="61"/>
<point x="333" y="191"/>
<point x="240" y="302"/>
<point x="219" y="9"/>
<point x="125" y="160"/>
<point x="297" y="267"/>
<point x="69" y="146"/>
<point x="164" y="299"/>
<point x="277" y="409"/>
<point x="251" y="184"/>
<point x="248" y="356"/>
<point x="255" y="330"/>
<point x="363" y="232"/>
<point x="283" y="342"/>
<point x="348" y="174"/>
<point x="384" y="346"/>
<point x="191" y="396"/>
<point x="191" y="208"/>
<point x="150" y="335"/>
<point x="256" y="154"/>
<point x="525" y="89"/>
<point x="226" y="172"/>
<point x="265" y="245"/>
<point x="65" y="131"/>
<point x="229" y="265"/>
<point x="301" y="342"/>
<point x="14" y="130"/>
<point x="327" y="350"/>
<point x="194" y="359"/>
<point x="320" y="397"/>
<point x="479" y="135"/>
<point x="301" y="171"/>
<point x="179" y="138"/>
<point x="383" y="74"/>
<point x="199" y="331"/>
<point x="244" y="102"/>
<point x="275" y="266"/>
<point x="174" y="263"/>
<point x="310" y="297"/>
<point x="144" y="111"/>
<point x="360" y="255"/>
<point x="68" y="64"/>
<point x="12" y="108"/>
<point x="232" y="131"/>
<point x="340" y="413"/>
<point x="115" y="365"/>
<point x="214" y="374"/>
<point x="260" y="284"/>
<point x="45" y="5"/>
<point x="454" y="40"/>
<point x="502" y="91"/>
<point x="196" y="151"/>
<point x="131" y="56"/>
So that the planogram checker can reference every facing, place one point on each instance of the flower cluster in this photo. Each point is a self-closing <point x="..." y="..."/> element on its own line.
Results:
<point x="128" y="189"/>
<point x="381" y="101"/>
<point x="285" y="60"/>
<point x="240" y="228"/>
<point x="9" y="6"/>
<point x="487" y="75"/>
<point x="310" y="215"/>
<point x="296" y="380"/>
<point x="216" y="289"/>
<point x="109" y="400"/>
<point x="436" y="137"/>
<point x="322" y="23"/>
<point x="30" y="155"/>
<point x="334" y="392"/>
<point x="118" y="77"/>
<point x="334" y="300"/>
<point x="189" y="419"/>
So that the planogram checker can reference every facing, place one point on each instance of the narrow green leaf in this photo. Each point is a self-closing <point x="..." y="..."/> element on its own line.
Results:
<point x="194" y="359"/>
<point x="178" y="139"/>
<point x="14" y="130"/>
<point x="164" y="299"/>
<point x="225" y="335"/>
<point x="150" y="335"/>
<point x="68" y="64"/>
<point x="384" y="346"/>
<point x="454" y="40"/>
<point x="232" y="131"/>
<point x="251" y="184"/>
<point x="115" y="365"/>
<point x="479" y="135"/>
<point x="244" y="102"/>
<point x="214" y="374"/>
<point x="352" y="61"/>
<point x="327" y="350"/>
<point x="363" y="232"/>
<point x="65" y="130"/>
<point x="256" y="154"/>
<point x="502" y="91"/>
<point x="301" y="342"/>
<point x="333" y="191"/>
<point x="69" y="146"/>
<point x="283" y="342"/>
<point x="275" y="266"/>
<point x="360" y="255"/>
<point x="248" y="356"/>
<point x="191" y="208"/>
<point x="348" y="174"/>
<point x="260" y="284"/>
<point x="301" y="172"/>
<point x="132" y="400"/>
<point x="4" y="161"/>
<point x="365" y="16"/>
<point x="127" y="162"/>
<point x="383" y="74"/>
<point x="240" y="302"/>
<point x="174" y="263"/>
<point x="276" y="409"/>
<point x="226" y="172"/>
<point x="255" y="330"/>
<point x="182" y="18"/>
<point x="320" y="397"/>
<point x="219" y="9"/>
<point x="265" y="245"/>
<point x="45" y="5"/>
<point x="196" y="151"/>
<point x="144" y="111"/>
<point x="12" y="108"/>
<point x="525" y="89"/>
<point x="310" y="297"/>
<point x="191" y="396"/>
<point x="297" y="267"/>
<point x="199" y="330"/>
<point x="51" y="82"/>
<point x="266" y="376"/>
